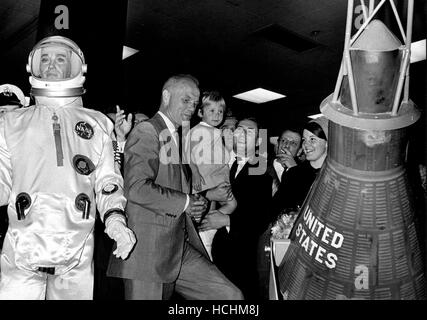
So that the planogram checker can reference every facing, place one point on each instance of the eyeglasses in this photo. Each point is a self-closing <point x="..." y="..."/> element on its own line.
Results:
<point x="292" y="143"/>
<point x="188" y="101"/>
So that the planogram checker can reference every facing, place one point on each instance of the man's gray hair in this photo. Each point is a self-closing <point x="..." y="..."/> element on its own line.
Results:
<point x="177" y="78"/>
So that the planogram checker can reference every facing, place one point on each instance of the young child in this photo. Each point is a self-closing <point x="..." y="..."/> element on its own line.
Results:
<point x="209" y="157"/>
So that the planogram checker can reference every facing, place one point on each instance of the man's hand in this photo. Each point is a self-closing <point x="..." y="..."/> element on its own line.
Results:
<point x="214" y="220"/>
<point x="286" y="159"/>
<point x="222" y="193"/>
<point x="124" y="237"/>
<point x="122" y="125"/>
<point x="197" y="180"/>
<point x="196" y="207"/>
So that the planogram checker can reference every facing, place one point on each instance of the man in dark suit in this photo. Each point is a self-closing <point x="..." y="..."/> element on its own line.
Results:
<point x="286" y="155"/>
<point x="169" y="256"/>
<point x="234" y="248"/>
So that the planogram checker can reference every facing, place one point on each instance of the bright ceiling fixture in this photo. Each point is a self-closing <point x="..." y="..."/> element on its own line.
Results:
<point x="128" y="51"/>
<point x="259" y="95"/>
<point x="418" y="51"/>
<point x="315" y="116"/>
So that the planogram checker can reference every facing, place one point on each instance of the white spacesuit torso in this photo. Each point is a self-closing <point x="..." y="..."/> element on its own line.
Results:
<point x="60" y="156"/>
<point x="57" y="170"/>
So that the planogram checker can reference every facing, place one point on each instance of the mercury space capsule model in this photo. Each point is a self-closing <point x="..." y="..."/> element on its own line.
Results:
<point x="356" y="236"/>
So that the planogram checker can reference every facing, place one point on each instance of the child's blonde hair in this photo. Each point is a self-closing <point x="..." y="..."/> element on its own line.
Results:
<point x="212" y="96"/>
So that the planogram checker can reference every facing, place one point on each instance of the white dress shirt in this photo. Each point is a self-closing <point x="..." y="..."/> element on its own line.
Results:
<point x="279" y="169"/>
<point x="174" y="134"/>
<point x="241" y="163"/>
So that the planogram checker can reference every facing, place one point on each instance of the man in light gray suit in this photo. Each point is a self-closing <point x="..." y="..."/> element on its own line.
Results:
<point x="169" y="255"/>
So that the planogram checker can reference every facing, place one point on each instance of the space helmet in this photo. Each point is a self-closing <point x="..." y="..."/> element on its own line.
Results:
<point x="57" y="67"/>
<point x="11" y="97"/>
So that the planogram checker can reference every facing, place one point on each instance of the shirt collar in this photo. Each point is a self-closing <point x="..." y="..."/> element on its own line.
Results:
<point x="242" y="160"/>
<point x="205" y="124"/>
<point x="169" y="123"/>
<point x="278" y="168"/>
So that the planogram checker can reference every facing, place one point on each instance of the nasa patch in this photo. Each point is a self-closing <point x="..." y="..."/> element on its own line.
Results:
<point x="83" y="165"/>
<point x="84" y="130"/>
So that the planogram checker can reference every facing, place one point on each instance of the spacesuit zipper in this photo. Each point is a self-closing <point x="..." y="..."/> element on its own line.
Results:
<point x="58" y="142"/>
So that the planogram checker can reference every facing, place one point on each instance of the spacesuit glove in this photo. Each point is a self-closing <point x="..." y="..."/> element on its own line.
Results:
<point x="124" y="237"/>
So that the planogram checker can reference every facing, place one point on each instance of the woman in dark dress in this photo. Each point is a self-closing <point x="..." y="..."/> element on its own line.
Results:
<point x="294" y="186"/>
<point x="296" y="181"/>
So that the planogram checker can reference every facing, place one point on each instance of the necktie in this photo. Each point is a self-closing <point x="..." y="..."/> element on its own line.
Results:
<point x="185" y="169"/>
<point x="275" y="186"/>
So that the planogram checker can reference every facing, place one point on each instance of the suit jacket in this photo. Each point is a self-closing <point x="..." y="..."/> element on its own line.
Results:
<point x="295" y="185"/>
<point x="156" y="190"/>
<point x="253" y="196"/>
<point x="235" y="252"/>
<point x="273" y="174"/>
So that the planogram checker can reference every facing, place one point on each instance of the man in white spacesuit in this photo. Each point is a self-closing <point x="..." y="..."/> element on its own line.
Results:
<point x="11" y="98"/>
<point x="56" y="169"/>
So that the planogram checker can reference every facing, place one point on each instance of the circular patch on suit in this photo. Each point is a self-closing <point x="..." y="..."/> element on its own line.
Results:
<point x="109" y="189"/>
<point x="80" y="201"/>
<point x="23" y="201"/>
<point x="83" y="165"/>
<point x="84" y="130"/>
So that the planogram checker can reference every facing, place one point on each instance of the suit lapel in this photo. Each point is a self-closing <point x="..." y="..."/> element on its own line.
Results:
<point x="233" y="170"/>
<point x="174" y="169"/>
<point x="243" y="172"/>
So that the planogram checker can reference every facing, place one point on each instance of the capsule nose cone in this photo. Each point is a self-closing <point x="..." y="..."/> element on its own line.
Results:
<point x="377" y="37"/>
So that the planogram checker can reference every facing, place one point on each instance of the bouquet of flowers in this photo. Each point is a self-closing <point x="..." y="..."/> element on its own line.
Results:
<point x="284" y="223"/>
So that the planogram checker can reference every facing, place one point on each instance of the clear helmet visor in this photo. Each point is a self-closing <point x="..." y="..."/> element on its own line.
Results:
<point x="55" y="61"/>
